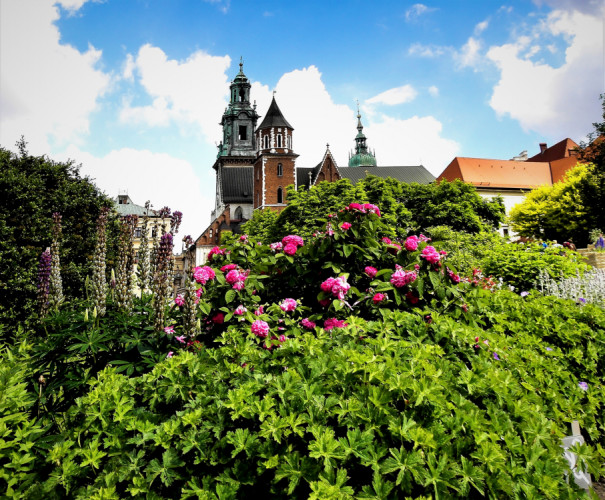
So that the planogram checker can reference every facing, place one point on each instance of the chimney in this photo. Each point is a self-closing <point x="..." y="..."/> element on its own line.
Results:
<point x="542" y="147"/>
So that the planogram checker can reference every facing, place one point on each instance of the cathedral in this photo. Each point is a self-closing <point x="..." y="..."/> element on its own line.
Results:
<point x="255" y="164"/>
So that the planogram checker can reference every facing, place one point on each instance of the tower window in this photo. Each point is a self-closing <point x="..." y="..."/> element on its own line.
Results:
<point x="280" y="195"/>
<point x="243" y="132"/>
<point x="279" y="140"/>
<point x="280" y="170"/>
<point x="242" y="95"/>
<point x="266" y="142"/>
<point x="238" y="213"/>
<point x="289" y="141"/>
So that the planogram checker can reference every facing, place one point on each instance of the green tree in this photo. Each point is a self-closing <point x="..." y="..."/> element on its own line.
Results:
<point x="31" y="189"/>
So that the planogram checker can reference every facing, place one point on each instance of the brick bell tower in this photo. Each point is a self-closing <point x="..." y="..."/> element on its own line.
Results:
<point x="274" y="168"/>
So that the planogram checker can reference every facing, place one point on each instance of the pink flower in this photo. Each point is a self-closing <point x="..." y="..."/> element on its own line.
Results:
<point x="401" y="278"/>
<point x="356" y="206"/>
<point x="307" y="323"/>
<point x="180" y="338"/>
<point x="386" y="240"/>
<point x="373" y="209"/>
<point x="334" y="323"/>
<point x="199" y="292"/>
<point x="260" y="328"/>
<point x="379" y="297"/>
<point x="179" y="300"/>
<point x="228" y="267"/>
<point x="243" y="237"/>
<point x="169" y="330"/>
<point x="283" y="338"/>
<point x="240" y="310"/>
<point x="430" y="254"/>
<point x="203" y="274"/>
<point x="324" y="302"/>
<point x="169" y="355"/>
<point x="215" y="251"/>
<point x="259" y="311"/>
<point x="412" y="297"/>
<point x="345" y="225"/>
<point x="411" y="243"/>
<point x="422" y="237"/>
<point x="276" y="246"/>
<point x="290" y="249"/>
<point x="218" y="318"/>
<point x="337" y="286"/>
<point x="453" y="276"/>
<point x="292" y="239"/>
<point x="370" y="271"/>
<point x="288" y="305"/>
<point x="237" y="278"/>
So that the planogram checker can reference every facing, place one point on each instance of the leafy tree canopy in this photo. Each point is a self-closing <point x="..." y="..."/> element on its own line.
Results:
<point x="31" y="189"/>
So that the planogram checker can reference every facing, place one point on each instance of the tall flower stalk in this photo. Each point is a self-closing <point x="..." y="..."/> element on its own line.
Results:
<point x="190" y="328"/>
<point x="125" y="274"/>
<point x="160" y="280"/>
<point x="55" y="295"/>
<point x="144" y="265"/>
<point x="44" y="282"/>
<point x="99" y="280"/>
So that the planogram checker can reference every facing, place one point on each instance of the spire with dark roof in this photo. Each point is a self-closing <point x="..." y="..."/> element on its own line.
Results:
<point x="274" y="117"/>
<point x="362" y="157"/>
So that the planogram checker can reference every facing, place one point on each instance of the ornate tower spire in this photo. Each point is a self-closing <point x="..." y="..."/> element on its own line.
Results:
<point x="362" y="157"/>
<point x="239" y="119"/>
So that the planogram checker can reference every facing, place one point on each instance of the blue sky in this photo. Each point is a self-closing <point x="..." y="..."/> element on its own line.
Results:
<point x="134" y="89"/>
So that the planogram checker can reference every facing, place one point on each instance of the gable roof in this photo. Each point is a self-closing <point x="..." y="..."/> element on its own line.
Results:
<point x="125" y="206"/>
<point x="274" y="117"/>
<point x="237" y="184"/>
<point x="407" y="174"/>
<point x="486" y="172"/>
<point x="556" y="152"/>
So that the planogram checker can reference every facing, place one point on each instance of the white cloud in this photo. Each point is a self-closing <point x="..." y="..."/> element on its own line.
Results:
<point x="72" y="6"/>
<point x="416" y="10"/>
<point x="157" y="177"/>
<point x="418" y="49"/>
<point x="392" y="97"/>
<point x="591" y="7"/>
<point x="434" y="91"/>
<point x="557" y="102"/>
<point x="190" y="92"/>
<point x="469" y="55"/>
<point x="481" y="27"/>
<point x="49" y="89"/>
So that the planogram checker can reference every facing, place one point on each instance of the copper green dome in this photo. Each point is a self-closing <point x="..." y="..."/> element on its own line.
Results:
<point x="363" y="157"/>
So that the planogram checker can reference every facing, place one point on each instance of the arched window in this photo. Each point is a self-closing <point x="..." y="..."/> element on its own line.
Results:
<point x="289" y="142"/>
<point x="238" y="213"/>
<point x="279" y="140"/>
<point x="266" y="142"/>
<point x="280" y="170"/>
<point x="280" y="195"/>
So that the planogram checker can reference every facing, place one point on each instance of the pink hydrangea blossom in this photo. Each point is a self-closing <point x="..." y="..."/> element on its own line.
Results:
<point x="179" y="300"/>
<point x="401" y="277"/>
<point x="260" y="328"/>
<point x="307" y="323"/>
<point x="345" y="225"/>
<point x="337" y="286"/>
<point x="228" y="267"/>
<point x="292" y="239"/>
<point x="240" y="310"/>
<point x="290" y="249"/>
<point x="215" y="251"/>
<point x="379" y="297"/>
<point x="259" y="311"/>
<point x="169" y="330"/>
<point x="371" y="271"/>
<point x="288" y="305"/>
<point x="430" y="254"/>
<point x="237" y="278"/>
<point x="276" y="246"/>
<point x="334" y="323"/>
<point x="411" y="243"/>
<point x="203" y="274"/>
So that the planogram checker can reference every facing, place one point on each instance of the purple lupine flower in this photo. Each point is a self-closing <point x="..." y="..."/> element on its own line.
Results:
<point x="583" y="386"/>
<point x="496" y="357"/>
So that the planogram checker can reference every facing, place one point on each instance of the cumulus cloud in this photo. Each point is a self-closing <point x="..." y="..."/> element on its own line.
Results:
<point x="591" y="7"/>
<point x="189" y="92"/>
<point x="481" y="27"/>
<point x="555" y="101"/>
<point x="416" y="10"/>
<point x="158" y="177"/>
<point x="49" y="89"/>
<point x="392" y="97"/>
<point x="469" y="55"/>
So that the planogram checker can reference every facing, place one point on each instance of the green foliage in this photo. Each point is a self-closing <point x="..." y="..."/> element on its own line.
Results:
<point x="405" y="208"/>
<point x="31" y="189"/>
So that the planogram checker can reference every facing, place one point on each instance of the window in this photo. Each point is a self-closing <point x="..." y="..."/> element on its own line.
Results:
<point x="266" y="142"/>
<point x="280" y="170"/>
<point x="154" y="232"/>
<point x="137" y="232"/>
<point x="210" y="233"/>
<point x="280" y="195"/>
<point x="279" y="140"/>
<point x="243" y="133"/>
<point x="238" y="213"/>
<point x="289" y="141"/>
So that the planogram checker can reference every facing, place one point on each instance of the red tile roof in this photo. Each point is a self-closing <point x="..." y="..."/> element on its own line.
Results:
<point x="556" y="152"/>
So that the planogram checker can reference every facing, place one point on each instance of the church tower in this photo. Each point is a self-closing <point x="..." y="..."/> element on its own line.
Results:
<point x="275" y="167"/>
<point x="362" y="157"/>
<point x="236" y="152"/>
